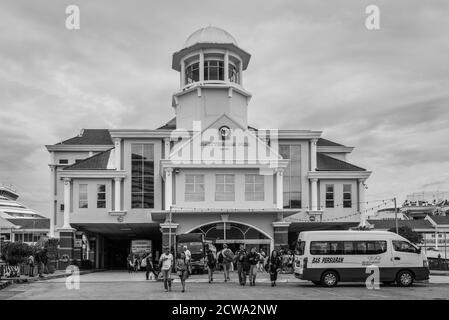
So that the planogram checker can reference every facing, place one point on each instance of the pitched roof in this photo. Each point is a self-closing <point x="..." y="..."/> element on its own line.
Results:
<point x="413" y="224"/>
<point x="5" y="224"/>
<point x="327" y="143"/>
<point x="90" y="137"/>
<point x="326" y="163"/>
<point x="31" y="223"/>
<point x="170" y="125"/>
<point x="96" y="162"/>
<point x="440" y="219"/>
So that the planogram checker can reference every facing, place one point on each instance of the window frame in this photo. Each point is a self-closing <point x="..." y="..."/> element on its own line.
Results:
<point x="144" y="180"/>
<point x="289" y="175"/>
<point x="347" y="203"/>
<point x="101" y="192"/>
<point x="225" y="185"/>
<point x="200" y="194"/>
<point x="250" y="187"/>
<point x="342" y="249"/>
<point x="80" y="198"/>
<point x="329" y="203"/>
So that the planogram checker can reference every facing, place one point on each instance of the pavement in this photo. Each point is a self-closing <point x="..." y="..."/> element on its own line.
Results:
<point x="120" y="285"/>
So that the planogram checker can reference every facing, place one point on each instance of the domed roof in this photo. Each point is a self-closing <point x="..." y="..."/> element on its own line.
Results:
<point x="210" y="34"/>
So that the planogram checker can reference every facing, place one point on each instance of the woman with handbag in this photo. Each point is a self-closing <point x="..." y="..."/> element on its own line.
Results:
<point x="182" y="269"/>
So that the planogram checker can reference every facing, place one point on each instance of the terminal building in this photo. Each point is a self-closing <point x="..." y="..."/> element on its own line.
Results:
<point x="207" y="170"/>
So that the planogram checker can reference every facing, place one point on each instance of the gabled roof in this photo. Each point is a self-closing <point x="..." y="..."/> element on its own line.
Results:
<point x="327" y="143"/>
<point x="170" y="125"/>
<point x="413" y="224"/>
<point x="326" y="163"/>
<point x="96" y="162"/>
<point x="90" y="137"/>
<point x="440" y="219"/>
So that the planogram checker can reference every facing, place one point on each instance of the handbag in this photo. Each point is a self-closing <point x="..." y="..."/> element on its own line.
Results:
<point x="143" y="263"/>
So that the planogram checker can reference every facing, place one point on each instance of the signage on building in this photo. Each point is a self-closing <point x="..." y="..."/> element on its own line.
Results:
<point x="140" y="246"/>
<point x="312" y="218"/>
<point x="78" y="243"/>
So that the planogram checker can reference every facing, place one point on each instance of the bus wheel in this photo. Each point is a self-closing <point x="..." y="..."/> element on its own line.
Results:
<point x="317" y="283"/>
<point x="329" y="279"/>
<point x="404" y="278"/>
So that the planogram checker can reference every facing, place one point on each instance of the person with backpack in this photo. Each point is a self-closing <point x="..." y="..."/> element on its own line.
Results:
<point x="241" y="257"/>
<point x="274" y="265"/>
<point x="253" y="260"/>
<point x="211" y="263"/>
<point x="227" y="258"/>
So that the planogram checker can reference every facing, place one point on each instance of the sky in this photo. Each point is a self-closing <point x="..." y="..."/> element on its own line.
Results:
<point x="314" y="65"/>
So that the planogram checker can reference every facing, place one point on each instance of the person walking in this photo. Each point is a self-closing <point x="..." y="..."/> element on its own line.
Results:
<point x="228" y="258"/>
<point x="147" y="263"/>
<point x="40" y="264"/>
<point x="253" y="260"/>
<point x="211" y="262"/>
<point x="274" y="264"/>
<point x="261" y="261"/>
<point x="187" y="253"/>
<point x="241" y="258"/>
<point x="166" y="263"/>
<point x="130" y="263"/>
<point x="182" y="269"/>
<point x="31" y="266"/>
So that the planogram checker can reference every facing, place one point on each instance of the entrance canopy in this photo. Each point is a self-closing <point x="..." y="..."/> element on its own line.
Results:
<point x="121" y="230"/>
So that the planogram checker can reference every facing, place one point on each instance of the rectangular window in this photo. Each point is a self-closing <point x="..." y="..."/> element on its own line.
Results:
<point x="292" y="175"/>
<point x="142" y="176"/>
<point x="5" y="237"/>
<point x="101" y="196"/>
<point x="347" y="247"/>
<point x="83" y="196"/>
<point x="329" y="195"/>
<point x="347" y="196"/>
<point x="194" y="187"/>
<point x="61" y="207"/>
<point x="27" y="237"/>
<point x="254" y="187"/>
<point x="63" y="161"/>
<point x="224" y="187"/>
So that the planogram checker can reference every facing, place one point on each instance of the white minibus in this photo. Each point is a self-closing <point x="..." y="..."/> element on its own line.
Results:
<point x="327" y="257"/>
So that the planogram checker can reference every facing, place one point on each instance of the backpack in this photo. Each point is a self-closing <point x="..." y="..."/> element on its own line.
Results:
<point x="220" y="257"/>
<point x="144" y="262"/>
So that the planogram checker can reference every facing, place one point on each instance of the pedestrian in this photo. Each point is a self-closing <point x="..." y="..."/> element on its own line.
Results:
<point x="228" y="258"/>
<point x="182" y="269"/>
<point x="274" y="264"/>
<point x="44" y="259"/>
<point x="241" y="258"/>
<point x="136" y="264"/>
<point x="253" y="260"/>
<point x="147" y="263"/>
<point x="39" y="263"/>
<point x="31" y="266"/>
<point x="260" y="263"/>
<point x="211" y="262"/>
<point x="166" y="264"/>
<point x="130" y="263"/>
<point x="187" y="253"/>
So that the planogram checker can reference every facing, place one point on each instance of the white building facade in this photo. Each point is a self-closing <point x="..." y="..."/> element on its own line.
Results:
<point x="206" y="170"/>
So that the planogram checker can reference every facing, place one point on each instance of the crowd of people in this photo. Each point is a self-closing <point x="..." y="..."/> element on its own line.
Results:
<point x="247" y="263"/>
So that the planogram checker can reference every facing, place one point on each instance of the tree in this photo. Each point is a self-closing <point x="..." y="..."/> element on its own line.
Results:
<point x="409" y="234"/>
<point x="16" y="252"/>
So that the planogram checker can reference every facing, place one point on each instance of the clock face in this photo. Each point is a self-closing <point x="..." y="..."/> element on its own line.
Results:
<point x="224" y="131"/>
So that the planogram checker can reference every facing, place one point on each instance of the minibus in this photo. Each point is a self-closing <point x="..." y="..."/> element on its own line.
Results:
<point x="329" y="257"/>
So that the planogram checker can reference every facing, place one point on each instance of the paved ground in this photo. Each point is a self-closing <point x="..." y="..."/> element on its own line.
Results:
<point x="121" y="285"/>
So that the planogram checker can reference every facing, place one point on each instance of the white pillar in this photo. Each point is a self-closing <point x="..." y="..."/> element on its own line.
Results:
<point x="313" y="163"/>
<point x="280" y="189"/>
<point x="201" y="66"/>
<point x="361" y="201"/>
<point x="53" y="193"/>
<point x="118" y="194"/>
<point x="314" y="194"/>
<point x="183" y="73"/>
<point x="67" y="204"/>
<point x="118" y="155"/>
<point x="166" y="148"/>
<point x="241" y="73"/>
<point x="436" y="239"/>
<point x="168" y="188"/>
<point x="226" y="66"/>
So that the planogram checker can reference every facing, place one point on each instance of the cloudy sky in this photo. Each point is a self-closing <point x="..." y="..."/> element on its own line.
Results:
<point x="314" y="66"/>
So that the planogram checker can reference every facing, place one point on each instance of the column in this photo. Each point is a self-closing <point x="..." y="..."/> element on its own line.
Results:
<point x="168" y="230"/>
<point x="53" y="205"/>
<point x="168" y="188"/>
<point x="314" y="194"/>
<point x="201" y="66"/>
<point x="313" y="163"/>
<point x="280" y="189"/>
<point x="183" y="73"/>
<point x="67" y="203"/>
<point x="118" y="155"/>
<point x="118" y="194"/>
<point x="226" y="66"/>
<point x="361" y="199"/>
<point x="166" y="148"/>
<point x="241" y="73"/>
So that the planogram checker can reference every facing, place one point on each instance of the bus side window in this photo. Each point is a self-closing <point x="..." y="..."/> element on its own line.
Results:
<point x="403" y="246"/>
